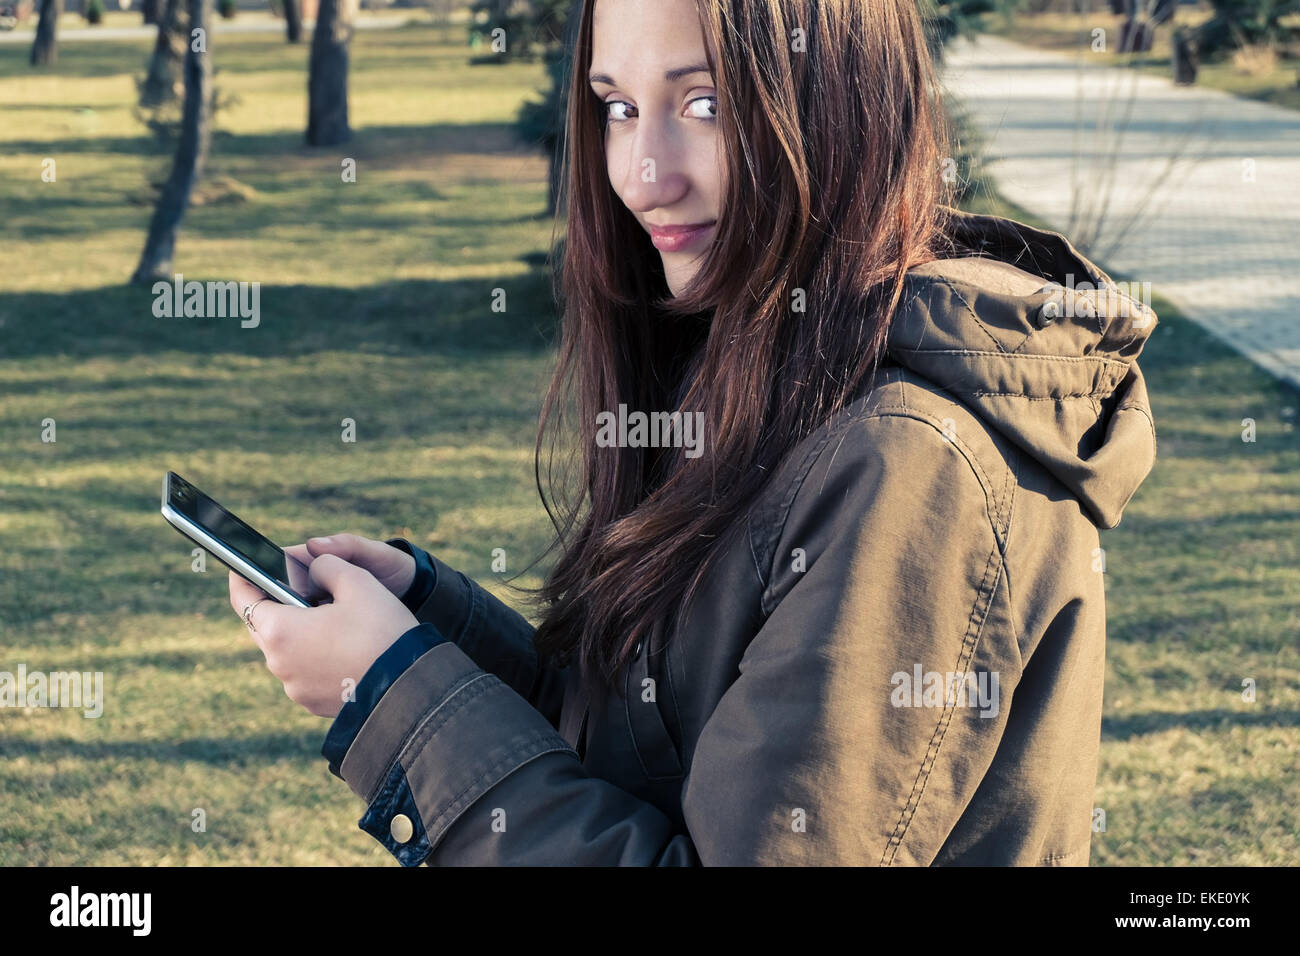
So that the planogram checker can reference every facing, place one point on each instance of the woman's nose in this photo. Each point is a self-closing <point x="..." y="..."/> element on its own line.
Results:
<point x="653" y="175"/>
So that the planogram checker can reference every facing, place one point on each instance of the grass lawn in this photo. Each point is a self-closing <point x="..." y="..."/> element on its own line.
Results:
<point x="377" y="306"/>
<point x="1271" y="81"/>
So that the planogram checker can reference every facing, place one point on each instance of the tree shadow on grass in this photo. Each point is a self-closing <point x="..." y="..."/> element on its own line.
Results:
<point x="392" y="145"/>
<point x="260" y="748"/>
<point x="1128" y="726"/>
<point x="397" y="318"/>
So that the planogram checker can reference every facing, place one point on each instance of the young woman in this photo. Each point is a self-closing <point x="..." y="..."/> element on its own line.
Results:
<point x="855" y="614"/>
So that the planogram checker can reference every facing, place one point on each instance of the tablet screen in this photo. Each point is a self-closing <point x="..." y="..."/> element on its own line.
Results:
<point x="239" y="536"/>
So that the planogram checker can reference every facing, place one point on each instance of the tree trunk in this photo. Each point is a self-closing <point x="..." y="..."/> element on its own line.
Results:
<point x="152" y="10"/>
<point x="45" y="48"/>
<point x="1185" y="64"/>
<point x="191" y="153"/>
<point x="293" y="20"/>
<point x="163" y="82"/>
<point x="327" y="86"/>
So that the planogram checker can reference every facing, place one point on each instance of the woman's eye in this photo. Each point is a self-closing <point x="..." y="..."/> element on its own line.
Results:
<point x="703" y="107"/>
<point x="613" y="117"/>
<point x="707" y="113"/>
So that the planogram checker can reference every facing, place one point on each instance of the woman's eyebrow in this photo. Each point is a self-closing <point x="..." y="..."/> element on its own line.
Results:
<point x="672" y="76"/>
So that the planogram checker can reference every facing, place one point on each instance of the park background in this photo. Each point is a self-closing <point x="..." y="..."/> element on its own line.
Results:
<point x="376" y="305"/>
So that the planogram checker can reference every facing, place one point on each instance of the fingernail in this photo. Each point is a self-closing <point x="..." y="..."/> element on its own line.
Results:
<point x="321" y="540"/>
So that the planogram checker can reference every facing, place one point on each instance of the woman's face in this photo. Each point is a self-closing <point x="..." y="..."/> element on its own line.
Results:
<point x="648" y="65"/>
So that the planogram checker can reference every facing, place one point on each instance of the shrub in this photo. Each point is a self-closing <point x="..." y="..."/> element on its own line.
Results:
<point x="1239" y="23"/>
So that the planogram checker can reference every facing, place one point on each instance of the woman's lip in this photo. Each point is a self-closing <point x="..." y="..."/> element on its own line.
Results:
<point x="676" y="238"/>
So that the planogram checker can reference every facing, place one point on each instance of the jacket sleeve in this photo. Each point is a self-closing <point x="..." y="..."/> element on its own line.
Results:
<point x="390" y="665"/>
<point x="885" y="563"/>
<point x="495" y="636"/>
<point x="449" y="607"/>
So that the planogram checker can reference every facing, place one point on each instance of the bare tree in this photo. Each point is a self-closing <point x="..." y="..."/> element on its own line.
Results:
<point x="293" y="20"/>
<point x="1095" y="224"/>
<point x="327" y="86"/>
<point x="45" y="49"/>
<point x="191" y="151"/>
<point x="163" y="82"/>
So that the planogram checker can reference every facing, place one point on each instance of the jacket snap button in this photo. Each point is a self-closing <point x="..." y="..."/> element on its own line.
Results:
<point x="401" y="828"/>
<point x="1049" y="313"/>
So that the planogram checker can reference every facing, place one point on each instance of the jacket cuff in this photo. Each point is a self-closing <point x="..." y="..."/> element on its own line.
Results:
<point x="426" y="576"/>
<point x="389" y="666"/>
<point x="448" y="732"/>
<point x="440" y="594"/>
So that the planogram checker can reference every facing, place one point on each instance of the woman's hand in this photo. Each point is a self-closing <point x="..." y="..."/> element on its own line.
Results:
<point x="392" y="568"/>
<point x="321" y="653"/>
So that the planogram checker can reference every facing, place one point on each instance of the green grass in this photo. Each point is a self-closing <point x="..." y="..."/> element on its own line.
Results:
<point x="376" y="306"/>
<point x="1072" y="33"/>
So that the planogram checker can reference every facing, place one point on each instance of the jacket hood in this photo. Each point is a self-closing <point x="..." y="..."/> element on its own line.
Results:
<point x="1042" y="345"/>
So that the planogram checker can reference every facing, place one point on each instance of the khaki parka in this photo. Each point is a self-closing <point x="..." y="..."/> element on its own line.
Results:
<point x="897" y="660"/>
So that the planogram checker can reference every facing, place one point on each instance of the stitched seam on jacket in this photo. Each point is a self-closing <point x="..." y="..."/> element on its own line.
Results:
<point x="796" y="483"/>
<point x="666" y="669"/>
<point x="970" y="310"/>
<point x="969" y="644"/>
<point x="1081" y="396"/>
<point x="753" y="554"/>
<point x="1007" y="499"/>
<point x="787" y="501"/>
<point x="437" y="718"/>
<point x="636" y="749"/>
<point x="1150" y="422"/>
<point x="1013" y="480"/>
<point x="631" y="731"/>
<point x="476" y="611"/>
<point x="968" y="453"/>
<point x="1061" y="857"/>
<point x="437" y="830"/>
<point x="401" y="750"/>
<point x="1067" y="359"/>
<point x="872" y="412"/>
<point x="983" y="596"/>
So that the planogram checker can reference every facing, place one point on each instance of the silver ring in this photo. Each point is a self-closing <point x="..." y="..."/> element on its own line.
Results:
<point x="248" y="613"/>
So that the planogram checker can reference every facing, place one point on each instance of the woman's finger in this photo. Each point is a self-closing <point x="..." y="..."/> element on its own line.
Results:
<point x="300" y="552"/>
<point x="344" y="544"/>
<point x="243" y="593"/>
<point x="265" y="616"/>
<point x="336" y="576"/>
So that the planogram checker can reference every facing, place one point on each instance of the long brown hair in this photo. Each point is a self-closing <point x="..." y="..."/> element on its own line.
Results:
<point x="832" y="190"/>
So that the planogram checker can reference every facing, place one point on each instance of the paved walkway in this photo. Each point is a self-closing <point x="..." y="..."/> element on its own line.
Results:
<point x="1219" y="235"/>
